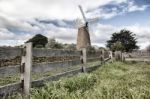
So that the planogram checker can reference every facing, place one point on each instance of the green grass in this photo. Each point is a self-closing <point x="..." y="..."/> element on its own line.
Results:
<point x="111" y="81"/>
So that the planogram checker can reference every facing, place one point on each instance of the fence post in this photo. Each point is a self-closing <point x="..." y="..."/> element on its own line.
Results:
<point x="111" y="55"/>
<point x="102" y="56"/>
<point x="123" y="56"/>
<point x="118" y="56"/>
<point x="84" y="59"/>
<point x="25" y="69"/>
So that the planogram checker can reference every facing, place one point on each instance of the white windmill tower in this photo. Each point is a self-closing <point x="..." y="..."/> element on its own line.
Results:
<point x="83" y="38"/>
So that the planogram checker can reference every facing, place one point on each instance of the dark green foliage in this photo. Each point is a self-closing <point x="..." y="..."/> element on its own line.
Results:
<point x="38" y="41"/>
<point x="126" y="39"/>
<point x="117" y="46"/>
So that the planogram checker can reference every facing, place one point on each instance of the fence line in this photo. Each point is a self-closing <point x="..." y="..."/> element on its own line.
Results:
<point x="43" y="67"/>
<point x="53" y="52"/>
<point x="7" y="53"/>
<point x="139" y="56"/>
<point x="11" y="88"/>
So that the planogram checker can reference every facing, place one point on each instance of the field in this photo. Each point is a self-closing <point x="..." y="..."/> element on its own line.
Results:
<point x="111" y="81"/>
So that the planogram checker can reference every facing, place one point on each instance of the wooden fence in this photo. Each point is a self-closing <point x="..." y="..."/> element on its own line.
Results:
<point x="143" y="56"/>
<point x="27" y="66"/>
<point x="138" y="56"/>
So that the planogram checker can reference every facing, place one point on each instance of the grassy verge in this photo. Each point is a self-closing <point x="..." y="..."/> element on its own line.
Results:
<point x="111" y="81"/>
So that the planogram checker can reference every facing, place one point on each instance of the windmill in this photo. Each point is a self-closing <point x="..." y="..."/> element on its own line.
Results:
<point x="83" y="38"/>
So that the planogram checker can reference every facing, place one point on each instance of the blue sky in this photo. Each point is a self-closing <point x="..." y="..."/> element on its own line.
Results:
<point x="22" y="19"/>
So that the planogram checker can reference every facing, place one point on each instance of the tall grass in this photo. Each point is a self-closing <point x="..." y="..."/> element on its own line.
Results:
<point x="111" y="81"/>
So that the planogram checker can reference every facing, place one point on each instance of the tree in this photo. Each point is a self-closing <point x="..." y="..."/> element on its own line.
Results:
<point x="91" y="49"/>
<point x="124" y="41"/>
<point x="53" y="44"/>
<point x="117" y="46"/>
<point x="70" y="46"/>
<point x="38" y="41"/>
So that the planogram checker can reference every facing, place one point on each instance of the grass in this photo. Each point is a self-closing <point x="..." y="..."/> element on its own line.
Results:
<point x="112" y="81"/>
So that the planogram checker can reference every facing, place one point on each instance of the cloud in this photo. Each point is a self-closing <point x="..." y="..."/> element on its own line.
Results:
<point x="113" y="9"/>
<point x="5" y="34"/>
<point x="53" y="9"/>
<point x="132" y="7"/>
<point x="63" y="35"/>
<point x="11" y="24"/>
<point x="11" y="39"/>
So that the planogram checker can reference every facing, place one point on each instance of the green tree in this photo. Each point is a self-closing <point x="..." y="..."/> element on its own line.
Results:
<point x="70" y="46"/>
<point x="38" y="41"/>
<point x="91" y="49"/>
<point x="124" y="41"/>
<point x="117" y="46"/>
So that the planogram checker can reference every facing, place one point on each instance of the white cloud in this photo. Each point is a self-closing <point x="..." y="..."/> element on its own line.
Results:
<point x="132" y="7"/>
<point x="10" y="39"/>
<point x="5" y="34"/>
<point x="8" y="22"/>
<point x="55" y="9"/>
<point x="63" y="35"/>
<point x="119" y="9"/>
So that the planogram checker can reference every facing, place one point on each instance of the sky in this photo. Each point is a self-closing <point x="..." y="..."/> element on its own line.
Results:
<point x="22" y="19"/>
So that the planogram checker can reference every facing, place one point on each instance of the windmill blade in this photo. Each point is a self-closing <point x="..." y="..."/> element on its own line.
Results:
<point x="83" y="15"/>
<point x="92" y="23"/>
<point x="78" y="23"/>
<point x="96" y="19"/>
<point x="90" y="28"/>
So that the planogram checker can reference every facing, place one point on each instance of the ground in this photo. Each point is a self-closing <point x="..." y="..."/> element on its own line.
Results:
<point x="111" y="81"/>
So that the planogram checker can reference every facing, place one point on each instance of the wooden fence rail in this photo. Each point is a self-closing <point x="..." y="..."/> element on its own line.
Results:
<point x="52" y="52"/>
<point x="137" y="56"/>
<point x="9" y="53"/>
<point x="43" y="67"/>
